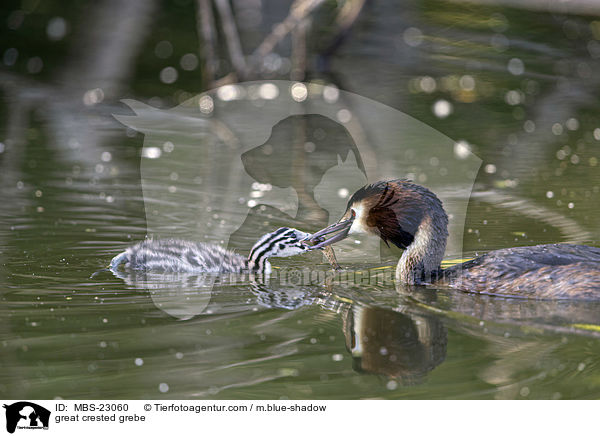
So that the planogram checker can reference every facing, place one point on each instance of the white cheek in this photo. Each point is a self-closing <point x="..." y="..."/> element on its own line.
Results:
<point x="358" y="223"/>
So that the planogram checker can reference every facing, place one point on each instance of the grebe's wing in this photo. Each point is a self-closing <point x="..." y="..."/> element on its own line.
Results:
<point x="542" y="271"/>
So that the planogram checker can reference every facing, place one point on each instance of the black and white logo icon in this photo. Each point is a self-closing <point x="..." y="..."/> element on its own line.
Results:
<point x="26" y="415"/>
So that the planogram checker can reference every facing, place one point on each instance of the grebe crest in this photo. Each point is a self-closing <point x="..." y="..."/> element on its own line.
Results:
<point x="177" y="255"/>
<point x="412" y="217"/>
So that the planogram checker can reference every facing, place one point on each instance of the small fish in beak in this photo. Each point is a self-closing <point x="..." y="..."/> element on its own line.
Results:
<point x="327" y="249"/>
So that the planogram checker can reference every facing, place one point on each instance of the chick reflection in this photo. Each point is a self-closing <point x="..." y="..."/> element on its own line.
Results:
<point x="186" y="295"/>
<point x="180" y="295"/>
<point x="397" y="345"/>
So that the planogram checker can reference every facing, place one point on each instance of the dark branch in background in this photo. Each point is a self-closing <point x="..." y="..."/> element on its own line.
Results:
<point x="345" y="21"/>
<point x="296" y="23"/>
<point x="232" y="38"/>
<point x="299" y="54"/>
<point x="205" y="26"/>
<point x="299" y="10"/>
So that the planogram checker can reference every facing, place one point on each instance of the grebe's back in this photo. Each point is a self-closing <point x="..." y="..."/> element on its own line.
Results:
<point x="541" y="271"/>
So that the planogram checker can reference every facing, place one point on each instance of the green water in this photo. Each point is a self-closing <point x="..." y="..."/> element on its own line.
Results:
<point x="67" y="208"/>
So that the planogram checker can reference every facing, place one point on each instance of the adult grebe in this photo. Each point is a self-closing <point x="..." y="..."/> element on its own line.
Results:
<point x="412" y="218"/>
<point x="176" y="255"/>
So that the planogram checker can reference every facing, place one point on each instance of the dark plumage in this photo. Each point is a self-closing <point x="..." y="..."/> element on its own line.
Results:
<point x="382" y="201"/>
<point x="542" y="271"/>
<point x="413" y="218"/>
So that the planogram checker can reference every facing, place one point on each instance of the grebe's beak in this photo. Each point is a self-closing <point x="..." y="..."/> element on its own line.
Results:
<point x="343" y="227"/>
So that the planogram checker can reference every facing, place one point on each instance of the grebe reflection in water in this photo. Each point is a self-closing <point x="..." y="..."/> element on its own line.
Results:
<point x="413" y="218"/>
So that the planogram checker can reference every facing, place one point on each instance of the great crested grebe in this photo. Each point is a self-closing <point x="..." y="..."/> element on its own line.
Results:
<point x="177" y="255"/>
<point x="412" y="218"/>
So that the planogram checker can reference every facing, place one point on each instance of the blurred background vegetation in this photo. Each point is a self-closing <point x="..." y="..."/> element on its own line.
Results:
<point x="514" y="81"/>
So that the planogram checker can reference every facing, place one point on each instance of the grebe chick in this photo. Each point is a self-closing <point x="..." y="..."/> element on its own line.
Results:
<point x="413" y="218"/>
<point x="177" y="255"/>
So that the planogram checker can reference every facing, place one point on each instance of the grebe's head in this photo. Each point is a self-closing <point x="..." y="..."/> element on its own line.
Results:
<point x="283" y="242"/>
<point x="394" y="210"/>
